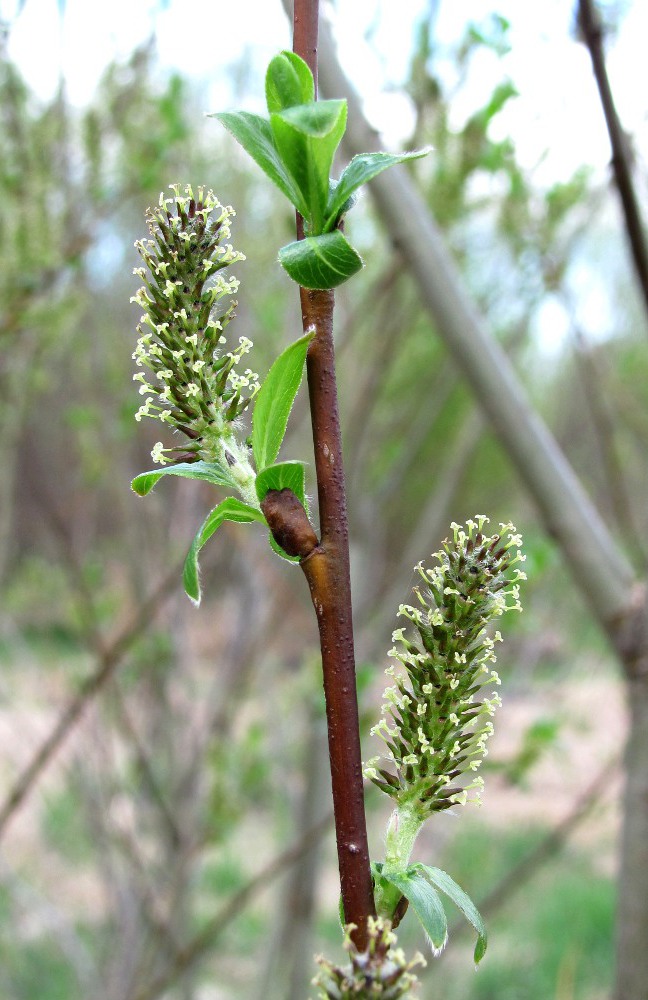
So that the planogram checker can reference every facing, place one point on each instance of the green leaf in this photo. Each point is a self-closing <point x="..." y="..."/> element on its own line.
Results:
<point x="346" y="207"/>
<point x="361" y="169"/>
<point x="284" y="475"/>
<point x="276" y="548"/>
<point x="306" y="137"/>
<point x="425" y="902"/>
<point x="229" y="510"/>
<point x="387" y="896"/>
<point x="274" y="401"/>
<point x="321" y="261"/>
<point x="211" y="472"/>
<point x="289" y="81"/>
<point x="255" y="136"/>
<point x="447" y="884"/>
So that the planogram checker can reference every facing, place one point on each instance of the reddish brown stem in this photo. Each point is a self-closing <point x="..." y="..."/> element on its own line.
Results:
<point x="327" y="570"/>
<point x="305" y="33"/>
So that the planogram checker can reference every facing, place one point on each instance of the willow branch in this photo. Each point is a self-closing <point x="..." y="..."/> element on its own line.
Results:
<point x="591" y="29"/>
<point x="326" y="566"/>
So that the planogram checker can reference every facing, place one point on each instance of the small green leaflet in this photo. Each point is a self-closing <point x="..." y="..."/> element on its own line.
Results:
<point x="321" y="261"/>
<point x="255" y="136"/>
<point x="289" y="81"/>
<point x="274" y="401"/>
<point x="425" y="902"/>
<point x="387" y="895"/>
<point x="229" y="510"/>
<point x="346" y="207"/>
<point x="284" y="475"/>
<point x="306" y="137"/>
<point x="446" y="884"/>
<point x="296" y="149"/>
<point x="211" y="472"/>
<point x="419" y="884"/>
<point x="361" y="169"/>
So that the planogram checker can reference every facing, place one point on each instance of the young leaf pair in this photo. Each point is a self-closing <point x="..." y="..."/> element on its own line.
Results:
<point x="419" y="883"/>
<point x="273" y="404"/>
<point x="295" y="147"/>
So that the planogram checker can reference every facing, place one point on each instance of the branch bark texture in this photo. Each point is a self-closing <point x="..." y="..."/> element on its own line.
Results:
<point x="326" y="568"/>
<point x="632" y="906"/>
<point x="592" y="32"/>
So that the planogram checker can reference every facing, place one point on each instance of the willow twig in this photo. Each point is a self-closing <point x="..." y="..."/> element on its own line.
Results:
<point x="326" y="567"/>
<point x="591" y="29"/>
<point x="109" y="660"/>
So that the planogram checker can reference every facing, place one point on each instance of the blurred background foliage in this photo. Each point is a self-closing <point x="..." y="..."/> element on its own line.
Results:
<point x="130" y="869"/>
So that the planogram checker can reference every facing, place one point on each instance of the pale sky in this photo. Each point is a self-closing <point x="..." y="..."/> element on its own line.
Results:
<point x="556" y="121"/>
<point x="557" y="112"/>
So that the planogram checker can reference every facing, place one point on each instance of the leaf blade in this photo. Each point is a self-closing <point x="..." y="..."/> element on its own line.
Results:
<point x="321" y="261"/>
<point x="210" y="472"/>
<point x="362" y="168"/>
<point x="447" y="884"/>
<point x="274" y="401"/>
<point x="254" y="134"/>
<point x="230" y="509"/>
<point x="289" y="81"/>
<point x="306" y="137"/>
<point x="283" y="475"/>
<point x="426" y="903"/>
